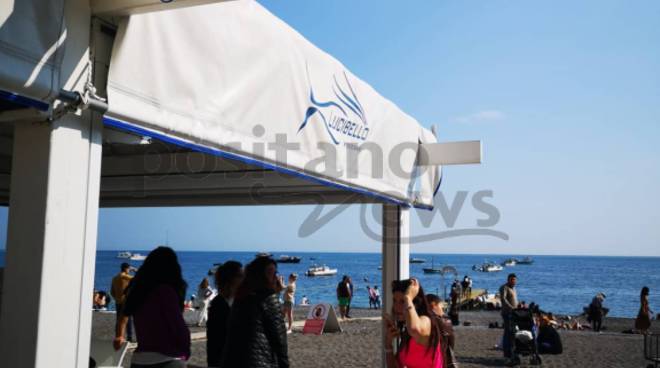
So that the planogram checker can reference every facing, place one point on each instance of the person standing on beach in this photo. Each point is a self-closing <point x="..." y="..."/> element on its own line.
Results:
<point x="343" y="296"/>
<point x="204" y="294"/>
<point x="350" y="297"/>
<point x="419" y="341"/>
<point x="376" y="296"/>
<point x="643" y="320"/>
<point x="257" y="333"/>
<point x="155" y="300"/>
<point x="446" y="327"/>
<point x="228" y="278"/>
<point x="596" y="312"/>
<point x="290" y="300"/>
<point x="118" y="291"/>
<point x="509" y="298"/>
<point x="370" y="294"/>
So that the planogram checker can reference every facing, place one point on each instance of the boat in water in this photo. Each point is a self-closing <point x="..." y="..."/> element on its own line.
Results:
<point x="125" y="255"/>
<point x="263" y="254"/>
<point x="487" y="267"/>
<point x="288" y="259"/>
<point x="525" y="261"/>
<point x="137" y="257"/>
<point x="510" y="262"/>
<point x="432" y="269"/>
<point x="417" y="260"/>
<point x="321" y="271"/>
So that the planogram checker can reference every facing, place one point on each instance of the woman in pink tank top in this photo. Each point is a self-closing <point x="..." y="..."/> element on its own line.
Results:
<point x="413" y="329"/>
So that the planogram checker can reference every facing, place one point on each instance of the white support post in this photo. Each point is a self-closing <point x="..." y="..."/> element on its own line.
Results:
<point x="396" y="253"/>
<point x="51" y="244"/>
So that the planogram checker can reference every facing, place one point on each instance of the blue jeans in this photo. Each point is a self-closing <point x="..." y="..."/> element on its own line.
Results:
<point x="508" y="337"/>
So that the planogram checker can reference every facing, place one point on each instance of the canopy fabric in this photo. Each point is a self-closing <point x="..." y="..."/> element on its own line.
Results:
<point x="32" y="34"/>
<point x="230" y="78"/>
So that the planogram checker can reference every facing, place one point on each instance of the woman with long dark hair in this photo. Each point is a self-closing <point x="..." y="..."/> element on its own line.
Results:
<point x="155" y="299"/>
<point x="415" y="328"/>
<point x="257" y="333"/>
<point x="643" y="320"/>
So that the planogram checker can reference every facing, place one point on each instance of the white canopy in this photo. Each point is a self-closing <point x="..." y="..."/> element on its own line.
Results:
<point x="232" y="79"/>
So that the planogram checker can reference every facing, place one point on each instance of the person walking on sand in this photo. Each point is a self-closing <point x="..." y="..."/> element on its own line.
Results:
<point x="643" y="320"/>
<point x="509" y="298"/>
<point x="419" y="341"/>
<point x="155" y="300"/>
<point x="228" y="278"/>
<point x="204" y="295"/>
<point x="118" y="292"/>
<point x="289" y="300"/>
<point x="257" y="333"/>
<point x="343" y="296"/>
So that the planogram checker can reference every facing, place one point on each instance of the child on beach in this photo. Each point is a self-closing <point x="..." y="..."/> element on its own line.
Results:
<point x="289" y="300"/>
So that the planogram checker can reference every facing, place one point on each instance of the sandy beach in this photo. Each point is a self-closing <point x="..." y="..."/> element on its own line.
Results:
<point x="359" y="343"/>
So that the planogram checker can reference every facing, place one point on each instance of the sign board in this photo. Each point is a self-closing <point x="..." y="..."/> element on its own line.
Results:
<point x="321" y="318"/>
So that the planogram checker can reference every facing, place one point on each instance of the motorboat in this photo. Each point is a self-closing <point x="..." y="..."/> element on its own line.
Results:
<point x="487" y="267"/>
<point x="264" y="254"/>
<point x="525" y="261"/>
<point x="137" y="257"/>
<point x="417" y="260"/>
<point x="124" y="255"/>
<point x="510" y="262"/>
<point x="288" y="259"/>
<point x="321" y="271"/>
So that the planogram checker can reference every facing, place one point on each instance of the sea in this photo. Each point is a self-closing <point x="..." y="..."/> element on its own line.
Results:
<point x="559" y="284"/>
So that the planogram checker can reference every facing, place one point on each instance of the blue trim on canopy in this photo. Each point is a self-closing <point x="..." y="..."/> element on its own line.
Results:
<point x="119" y="124"/>
<point x="23" y="101"/>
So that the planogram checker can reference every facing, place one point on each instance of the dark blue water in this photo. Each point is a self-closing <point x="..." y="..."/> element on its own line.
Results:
<point x="561" y="284"/>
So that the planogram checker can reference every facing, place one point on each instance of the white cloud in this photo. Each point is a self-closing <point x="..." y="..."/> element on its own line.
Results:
<point x="481" y="116"/>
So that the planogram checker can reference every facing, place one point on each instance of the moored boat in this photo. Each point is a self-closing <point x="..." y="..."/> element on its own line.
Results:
<point x="321" y="271"/>
<point x="288" y="259"/>
<point x="487" y="267"/>
<point x="525" y="261"/>
<point x="137" y="257"/>
<point x="124" y="255"/>
<point x="510" y="262"/>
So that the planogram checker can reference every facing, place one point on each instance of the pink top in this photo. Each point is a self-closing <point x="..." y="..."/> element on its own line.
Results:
<point x="417" y="356"/>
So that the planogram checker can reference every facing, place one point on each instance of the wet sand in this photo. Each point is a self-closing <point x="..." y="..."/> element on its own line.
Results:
<point x="359" y="343"/>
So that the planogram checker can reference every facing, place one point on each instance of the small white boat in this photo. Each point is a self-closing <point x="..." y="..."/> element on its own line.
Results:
<point x="509" y="262"/>
<point x="124" y="255"/>
<point x="488" y="267"/>
<point x="137" y="257"/>
<point x="321" y="271"/>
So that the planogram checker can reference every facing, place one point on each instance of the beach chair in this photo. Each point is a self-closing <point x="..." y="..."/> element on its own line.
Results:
<point x="104" y="354"/>
<point x="652" y="350"/>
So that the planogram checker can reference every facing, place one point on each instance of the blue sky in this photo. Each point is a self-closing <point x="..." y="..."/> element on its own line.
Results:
<point x="564" y="95"/>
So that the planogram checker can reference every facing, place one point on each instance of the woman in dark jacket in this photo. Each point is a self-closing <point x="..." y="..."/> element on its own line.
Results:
<point x="257" y="333"/>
